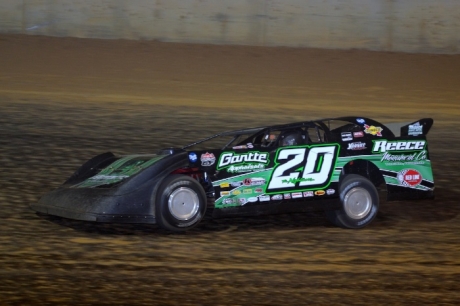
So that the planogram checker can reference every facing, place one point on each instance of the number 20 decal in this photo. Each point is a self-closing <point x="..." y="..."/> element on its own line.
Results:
<point x="303" y="168"/>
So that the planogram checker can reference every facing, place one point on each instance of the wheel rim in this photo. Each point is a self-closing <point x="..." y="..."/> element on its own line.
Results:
<point x="357" y="203"/>
<point x="183" y="203"/>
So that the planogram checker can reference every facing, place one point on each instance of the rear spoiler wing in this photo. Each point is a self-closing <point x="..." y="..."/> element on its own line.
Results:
<point x="416" y="128"/>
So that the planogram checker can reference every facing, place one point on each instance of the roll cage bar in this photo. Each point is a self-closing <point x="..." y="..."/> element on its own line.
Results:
<point x="318" y="125"/>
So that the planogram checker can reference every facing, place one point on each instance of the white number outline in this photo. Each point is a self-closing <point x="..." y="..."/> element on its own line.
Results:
<point x="306" y="156"/>
<point x="277" y="176"/>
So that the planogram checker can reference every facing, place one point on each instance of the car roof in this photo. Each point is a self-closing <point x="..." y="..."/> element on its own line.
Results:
<point x="286" y="126"/>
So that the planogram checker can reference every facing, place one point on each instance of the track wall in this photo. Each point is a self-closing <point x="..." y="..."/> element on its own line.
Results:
<point x="422" y="26"/>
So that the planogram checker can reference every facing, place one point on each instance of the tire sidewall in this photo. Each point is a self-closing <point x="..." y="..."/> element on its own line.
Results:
<point x="350" y="182"/>
<point x="162" y="213"/>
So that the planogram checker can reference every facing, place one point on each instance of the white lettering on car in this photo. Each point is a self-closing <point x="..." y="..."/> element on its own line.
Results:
<point x="230" y="158"/>
<point x="381" y="146"/>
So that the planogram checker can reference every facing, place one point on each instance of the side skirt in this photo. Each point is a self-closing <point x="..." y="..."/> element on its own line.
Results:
<point x="280" y="207"/>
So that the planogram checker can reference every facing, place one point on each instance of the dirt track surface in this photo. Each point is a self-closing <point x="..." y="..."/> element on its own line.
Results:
<point x="64" y="100"/>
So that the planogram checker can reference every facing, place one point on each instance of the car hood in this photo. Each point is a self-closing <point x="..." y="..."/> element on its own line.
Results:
<point x="119" y="170"/>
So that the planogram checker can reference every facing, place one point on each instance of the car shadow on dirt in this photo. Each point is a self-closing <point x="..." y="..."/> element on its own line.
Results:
<point x="443" y="207"/>
<point x="208" y="225"/>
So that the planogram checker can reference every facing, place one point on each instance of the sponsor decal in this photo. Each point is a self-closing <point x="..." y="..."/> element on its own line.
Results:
<point x="409" y="177"/>
<point x="258" y="190"/>
<point x="224" y="193"/>
<point x="264" y="198"/>
<point x="415" y="129"/>
<point x="296" y="195"/>
<point x="236" y="192"/>
<point x="346" y="136"/>
<point x="207" y="159"/>
<point x="413" y="158"/>
<point x="307" y="194"/>
<point x="287" y="196"/>
<point x="330" y="191"/>
<point x="228" y="201"/>
<point x="277" y="197"/>
<point x="360" y="120"/>
<point x="255" y="181"/>
<point x="229" y="158"/>
<point x="356" y="146"/>
<point x="253" y="199"/>
<point x="236" y="184"/>
<point x="192" y="157"/>
<point x="247" y="191"/>
<point x="320" y="192"/>
<point x="243" y="162"/>
<point x="224" y="185"/>
<point x="373" y="130"/>
<point x="297" y="180"/>
<point x="242" y="201"/>
<point x="381" y="146"/>
<point x="101" y="177"/>
<point x="245" y="168"/>
<point x="358" y="134"/>
<point x="119" y="170"/>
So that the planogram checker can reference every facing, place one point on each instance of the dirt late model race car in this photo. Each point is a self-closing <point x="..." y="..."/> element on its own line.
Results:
<point x="333" y="164"/>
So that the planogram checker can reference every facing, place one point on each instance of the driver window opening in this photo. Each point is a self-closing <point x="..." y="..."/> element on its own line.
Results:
<point x="270" y="138"/>
<point x="316" y="134"/>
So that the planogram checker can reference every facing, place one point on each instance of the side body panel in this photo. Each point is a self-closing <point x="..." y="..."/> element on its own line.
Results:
<point x="262" y="180"/>
<point x="298" y="177"/>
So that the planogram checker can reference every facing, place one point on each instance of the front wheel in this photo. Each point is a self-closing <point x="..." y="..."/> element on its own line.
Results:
<point x="360" y="203"/>
<point x="180" y="203"/>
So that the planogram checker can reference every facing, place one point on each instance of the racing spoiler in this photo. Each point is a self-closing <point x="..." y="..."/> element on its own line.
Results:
<point x="416" y="128"/>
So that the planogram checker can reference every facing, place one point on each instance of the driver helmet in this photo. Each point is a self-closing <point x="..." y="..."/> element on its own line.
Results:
<point x="291" y="139"/>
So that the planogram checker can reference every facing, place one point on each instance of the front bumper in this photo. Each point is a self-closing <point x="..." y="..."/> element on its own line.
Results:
<point x="97" y="205"/>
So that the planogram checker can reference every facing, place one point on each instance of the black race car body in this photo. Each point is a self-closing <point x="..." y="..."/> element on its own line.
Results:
<point x="334" y="164"/>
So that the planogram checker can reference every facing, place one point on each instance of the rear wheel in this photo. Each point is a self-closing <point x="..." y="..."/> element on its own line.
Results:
<point x="360" y="203"/>
<point x="180" y="203"/>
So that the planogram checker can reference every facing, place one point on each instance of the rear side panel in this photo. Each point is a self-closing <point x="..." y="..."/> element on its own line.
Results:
<point x="401" y="155"/>
<point x="405" y="166"/>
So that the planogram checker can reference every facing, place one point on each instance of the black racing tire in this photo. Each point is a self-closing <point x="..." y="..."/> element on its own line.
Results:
<point x="180" y="203"/>
<point x="360" y="203"/>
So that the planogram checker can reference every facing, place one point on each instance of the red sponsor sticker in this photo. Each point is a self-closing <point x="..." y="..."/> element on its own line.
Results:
<point x="409" y="177"/>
